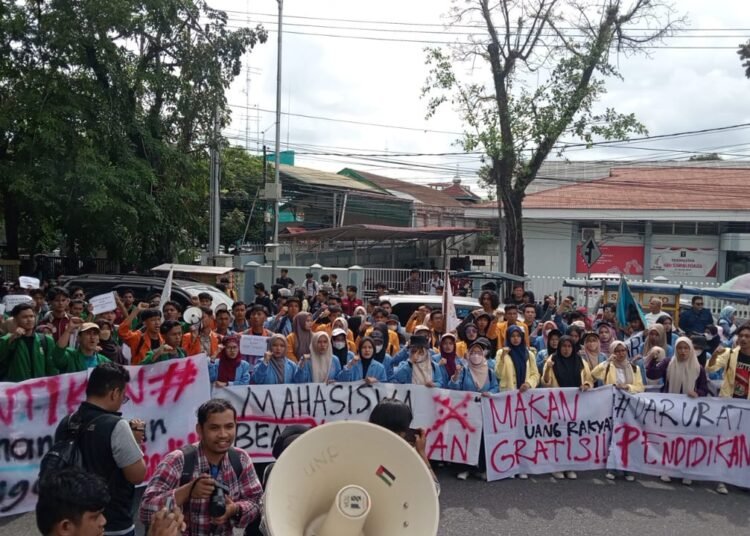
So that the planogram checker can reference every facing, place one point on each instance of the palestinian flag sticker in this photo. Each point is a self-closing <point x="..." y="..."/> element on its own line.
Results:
<point x="385" y="475"/>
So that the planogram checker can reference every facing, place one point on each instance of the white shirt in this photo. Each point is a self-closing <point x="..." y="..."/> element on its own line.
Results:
<point x="434" y="284"/>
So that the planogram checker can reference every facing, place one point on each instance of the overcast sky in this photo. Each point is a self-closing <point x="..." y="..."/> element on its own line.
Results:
<point x="379" y="81"/>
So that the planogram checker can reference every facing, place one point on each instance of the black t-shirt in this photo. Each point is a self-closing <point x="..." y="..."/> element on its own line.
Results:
<point x="742" y="377"/>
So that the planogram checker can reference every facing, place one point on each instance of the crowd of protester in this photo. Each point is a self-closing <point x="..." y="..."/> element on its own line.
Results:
<point x="323" y="332"/>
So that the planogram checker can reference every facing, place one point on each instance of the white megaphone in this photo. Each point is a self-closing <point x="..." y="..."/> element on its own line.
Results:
<point x="192" y="315"/>
<point x="350" y="479"/>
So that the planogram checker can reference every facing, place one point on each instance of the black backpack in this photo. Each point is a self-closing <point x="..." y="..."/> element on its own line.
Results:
<point x="190" y="455"/>
<point x="66" y="451"/>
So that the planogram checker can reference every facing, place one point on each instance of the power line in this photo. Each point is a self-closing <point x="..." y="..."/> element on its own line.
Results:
<point x="442" y="25"/>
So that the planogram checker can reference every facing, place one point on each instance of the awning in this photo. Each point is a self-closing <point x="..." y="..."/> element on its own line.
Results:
<point x="193" y="269"/>
<point x="379" y="233"/>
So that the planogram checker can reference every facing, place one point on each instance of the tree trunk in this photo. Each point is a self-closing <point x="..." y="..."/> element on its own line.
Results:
<point x="514" y="258"/>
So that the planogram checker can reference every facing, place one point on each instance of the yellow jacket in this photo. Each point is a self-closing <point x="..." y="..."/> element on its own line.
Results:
<point x="726" y="360"/>
<point x="393" y="345"/>
<point x="606" y="372"/>
<point x="502" y="327"/>
<point x="505" y="371"/>
<point x="461" y="348"/>
<point x="586" y="378"/>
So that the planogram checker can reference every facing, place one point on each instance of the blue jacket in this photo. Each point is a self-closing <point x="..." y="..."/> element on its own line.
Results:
<point x="541" y="357"/>
<point x="692" y="322"/>
<point x="403" y="355"/>
<point x="242" y="376"/>
<point x="375" y="370"/>
<point x="466" y="382"/>
<point x="403" y="374"/>
<point x="265" y="374"/>
<point x="304" y="373"/>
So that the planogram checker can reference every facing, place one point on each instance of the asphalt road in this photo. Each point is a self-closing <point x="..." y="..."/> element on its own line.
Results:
<point x="590" y="505"/>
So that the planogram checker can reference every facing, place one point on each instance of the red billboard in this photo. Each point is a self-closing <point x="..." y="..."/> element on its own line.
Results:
<point x="626" y="260"/>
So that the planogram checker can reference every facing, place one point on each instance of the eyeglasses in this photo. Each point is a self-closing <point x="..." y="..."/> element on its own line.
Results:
<point x="699" y="304"/>
<point x="125" y="399"/>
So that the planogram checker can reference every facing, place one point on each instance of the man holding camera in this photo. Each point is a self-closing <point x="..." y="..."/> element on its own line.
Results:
<point x="109" y="445"/>
<point x="213" y="482"/>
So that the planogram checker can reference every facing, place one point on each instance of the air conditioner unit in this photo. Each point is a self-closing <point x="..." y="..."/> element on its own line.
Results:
<point x="588" y="233"/>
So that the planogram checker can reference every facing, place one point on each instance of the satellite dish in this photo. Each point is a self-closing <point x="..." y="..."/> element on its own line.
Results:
<point x="192" y="315"/>
<point x="351" y="479"/>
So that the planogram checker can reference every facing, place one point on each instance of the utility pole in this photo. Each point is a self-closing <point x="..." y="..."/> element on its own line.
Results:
<point x="274" y="192"/>
<point x="214" y="209"/>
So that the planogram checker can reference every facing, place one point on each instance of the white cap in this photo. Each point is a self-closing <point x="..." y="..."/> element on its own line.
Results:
<point x="338" y="331"/>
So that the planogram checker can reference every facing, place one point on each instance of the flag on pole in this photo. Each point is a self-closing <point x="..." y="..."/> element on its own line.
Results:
<point x="627" y="307"/>
<point x="449" y="309"/>
<point x="166" y="294"/>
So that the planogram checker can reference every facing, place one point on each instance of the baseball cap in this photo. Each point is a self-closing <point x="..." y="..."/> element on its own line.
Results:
<point x="87" y="326"/>
<point x="338" y="331"/>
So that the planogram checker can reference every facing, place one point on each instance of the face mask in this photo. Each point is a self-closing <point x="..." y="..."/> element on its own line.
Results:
<point x="475" y="358"/>
<point x="339" y="345"/>
<point x="378" y="347"/>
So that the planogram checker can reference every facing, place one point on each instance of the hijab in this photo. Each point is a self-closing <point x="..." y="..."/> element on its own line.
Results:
<point x="365" y="362"/>
<point x="606" y="346"/>
<point x="548" y="327"/>
<point x="580" y="330"/>
<point x="228" y="366"/>
<point x="552" y="333"/>
<point x="303" y="337"/>
<point x="567" y="369"/>
<point x="625" y="366"/>
<point x="682" y="375"/>
<point x="279" y="363"/>
<point x="450" y="357"/>
<point x="321" y="363"/>
<point x="478" y="368"/>
<point x="421" y="370"/>
<point x="519" y="354"/>
<point x="713" y="341"/>
<point x="342" y="354"/>
<point x="593" y="360"/>
<point x="382" y="329"/>
<point x="473" y="326"/>
<point x="662" y="343"/>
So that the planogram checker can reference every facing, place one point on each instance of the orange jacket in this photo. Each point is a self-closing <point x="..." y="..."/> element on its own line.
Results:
<point x="138" y="342"/>
<point x="191" y="343"/>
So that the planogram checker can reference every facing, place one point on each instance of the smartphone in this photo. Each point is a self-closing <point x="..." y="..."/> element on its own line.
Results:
<point x="411" y="436"/>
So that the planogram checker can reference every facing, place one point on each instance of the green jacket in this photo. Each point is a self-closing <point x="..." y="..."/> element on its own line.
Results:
<point x="72" y="360"/>
<point x="16" y="365"/>
<point x="149" y="359"/>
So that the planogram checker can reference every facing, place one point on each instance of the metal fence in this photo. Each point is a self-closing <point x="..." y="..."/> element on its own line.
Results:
<point x="394" y="279"/>
<point x="545" y="285"/>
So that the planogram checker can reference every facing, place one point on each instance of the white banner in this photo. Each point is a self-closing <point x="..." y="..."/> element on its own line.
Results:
<point x="164" y="395"/>
<point x="678" y="436"/>
<point x="453" y="419"/>
<point x="546" y="430"/>
<point x="684" y="262"/>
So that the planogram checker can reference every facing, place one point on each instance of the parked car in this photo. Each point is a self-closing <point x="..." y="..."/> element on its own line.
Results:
<point x="144" y="286"/>
<point x="405" y="304"/>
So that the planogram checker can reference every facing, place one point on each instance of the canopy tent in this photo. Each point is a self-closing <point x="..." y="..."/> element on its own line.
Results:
<point x="375" y="233"/>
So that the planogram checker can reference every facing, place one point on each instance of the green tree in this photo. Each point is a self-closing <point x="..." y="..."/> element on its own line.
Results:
<point x="744" y="53"/>
<point x="547" y="62"/>
<point x="106" y="114"/>
<point x="241" y="181"/>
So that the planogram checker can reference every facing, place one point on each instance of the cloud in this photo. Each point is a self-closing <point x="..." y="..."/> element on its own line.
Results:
<point x="380" y="82"/>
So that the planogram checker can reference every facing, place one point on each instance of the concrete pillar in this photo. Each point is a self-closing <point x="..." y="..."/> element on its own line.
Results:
<point x="648" y="240"/>
<point x="251" y="277"/>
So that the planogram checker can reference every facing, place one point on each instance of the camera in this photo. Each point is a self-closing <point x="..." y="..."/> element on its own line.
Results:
<point x="217" y="504"/>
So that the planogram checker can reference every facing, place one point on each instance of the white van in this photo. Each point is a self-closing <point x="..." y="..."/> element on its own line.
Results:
<point x="405" y="304"/>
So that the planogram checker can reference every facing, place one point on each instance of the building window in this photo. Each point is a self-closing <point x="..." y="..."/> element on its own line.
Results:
<point x="660" y="227"/>
<point x="633" y="227"/>
<point x="708" y="228"/>
<point x="684" y="228"/>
